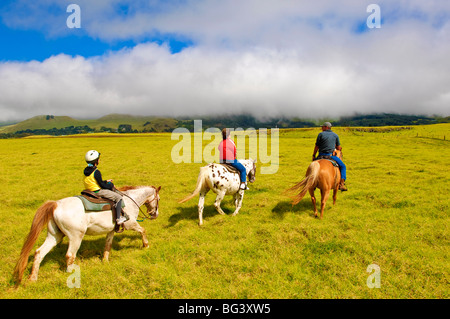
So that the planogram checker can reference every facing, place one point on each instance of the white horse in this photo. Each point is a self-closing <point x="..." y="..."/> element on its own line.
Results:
<point x="67" y="217"/>
<point x="220" y="180"/>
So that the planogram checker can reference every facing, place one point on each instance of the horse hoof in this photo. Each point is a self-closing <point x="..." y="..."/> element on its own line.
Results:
<point x="32" y="279"/>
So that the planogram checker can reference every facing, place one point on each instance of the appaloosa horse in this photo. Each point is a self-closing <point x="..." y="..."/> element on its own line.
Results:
<point x="67" y="217"/>
<point x="320" y="174"/>
<point x="220" y="180"/>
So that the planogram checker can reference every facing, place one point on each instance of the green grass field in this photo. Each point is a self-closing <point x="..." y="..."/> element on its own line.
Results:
<point x="395" y="215"/>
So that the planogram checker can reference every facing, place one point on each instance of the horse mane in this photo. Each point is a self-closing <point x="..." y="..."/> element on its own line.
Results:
<point x="127" y="188"/>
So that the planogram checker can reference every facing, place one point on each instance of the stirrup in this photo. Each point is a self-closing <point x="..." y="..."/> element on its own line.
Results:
<point x="343" y="187"/>
<point x="122" y="219"/>
<point x="244" y="186"/>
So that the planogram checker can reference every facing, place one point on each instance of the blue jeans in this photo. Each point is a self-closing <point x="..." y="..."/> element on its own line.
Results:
<point x="341" y="164"/>
<point x="242" y="171"/>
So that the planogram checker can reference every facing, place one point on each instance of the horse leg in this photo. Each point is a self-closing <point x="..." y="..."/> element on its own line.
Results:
<point x="313" y="199"/>
<point x="54" y="236"/>
<point x="217" y="202"/>
<point x="108" y="245"/>
<point x="74" y="244"/>
<point x="141" y="230"/>
<point x="238" y="197"/>
<point x="325" y="193"/>
<point x="334" y="196"/>
<point x="201" y="203"/>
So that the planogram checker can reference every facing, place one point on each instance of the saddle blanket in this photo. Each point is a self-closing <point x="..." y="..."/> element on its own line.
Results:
<point x="94" y="203"/>
<point x="97" y="205"/>
<point x="230" y="168"/>
<point x="328" y="158"/>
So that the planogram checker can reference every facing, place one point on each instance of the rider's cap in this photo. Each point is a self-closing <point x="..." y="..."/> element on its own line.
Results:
<point x="327" y="124"/>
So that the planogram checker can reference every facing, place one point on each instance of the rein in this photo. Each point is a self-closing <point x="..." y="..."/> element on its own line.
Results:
<point x="146" y="216"/>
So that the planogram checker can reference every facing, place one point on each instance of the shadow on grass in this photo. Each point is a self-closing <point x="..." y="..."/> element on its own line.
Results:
<point x="191" y="213"/>
<point x="91" y="248"/>
<point x="284" y="207"/>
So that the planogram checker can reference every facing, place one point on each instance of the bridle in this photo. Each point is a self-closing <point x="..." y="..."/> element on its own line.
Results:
<point x="253" y="171"/>
<point x="147" y="204"/>
<point x="341" y="155"/>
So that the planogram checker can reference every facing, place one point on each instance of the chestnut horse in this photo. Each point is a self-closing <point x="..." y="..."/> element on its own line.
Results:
<point x="320" y="174"/>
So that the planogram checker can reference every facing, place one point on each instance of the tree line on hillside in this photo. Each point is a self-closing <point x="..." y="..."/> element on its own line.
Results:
<point x="385" y="120"/>
<point x="69" y="130"/>
<point x="241" y="121"/>
<point x="55" y="131"/>
<point x="245" y="121"/>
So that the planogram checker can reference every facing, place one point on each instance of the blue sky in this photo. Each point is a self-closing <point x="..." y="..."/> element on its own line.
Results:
<point x="189" y="57"/>
<point x="33" y="41"/>
<point x="27" y="45"/>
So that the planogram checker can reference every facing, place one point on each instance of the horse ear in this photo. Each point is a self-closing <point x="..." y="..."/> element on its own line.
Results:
<point x="159" y="188"/>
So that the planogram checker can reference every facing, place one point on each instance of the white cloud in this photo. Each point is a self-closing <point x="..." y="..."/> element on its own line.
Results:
<point x="265" y="57"/>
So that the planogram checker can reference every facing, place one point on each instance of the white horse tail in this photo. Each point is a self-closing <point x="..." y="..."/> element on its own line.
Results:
<point x="200" y="182"/>
<point x="308" y="182"/>
<point x="41" y="219"/>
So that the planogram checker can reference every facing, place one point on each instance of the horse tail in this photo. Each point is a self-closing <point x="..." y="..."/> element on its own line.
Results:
<point x="40" y="220"/>
<point x="309" y="181"/>
<point x="198" y="187"/>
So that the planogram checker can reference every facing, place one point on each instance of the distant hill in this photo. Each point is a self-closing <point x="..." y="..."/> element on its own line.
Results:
<point x="123" y="123"/>
<point x="40" y="122"/>
<point x="60" y="125"/>
<point x="108" y="123"/>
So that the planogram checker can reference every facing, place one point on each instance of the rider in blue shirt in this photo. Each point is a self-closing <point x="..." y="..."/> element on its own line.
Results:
<point x="326" y="142"/>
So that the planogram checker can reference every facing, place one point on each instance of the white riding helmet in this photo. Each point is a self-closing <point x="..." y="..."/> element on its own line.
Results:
<point x="91" y="156"/>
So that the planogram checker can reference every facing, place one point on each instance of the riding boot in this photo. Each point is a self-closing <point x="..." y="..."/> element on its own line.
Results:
<point x="244" y="186"/>
<point x="119" y="218"/>
<point x="342" y="186"/>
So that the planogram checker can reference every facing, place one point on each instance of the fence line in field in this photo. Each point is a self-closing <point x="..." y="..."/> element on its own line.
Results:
<point x="383" y="130"/>
<point x="432" y="136"/>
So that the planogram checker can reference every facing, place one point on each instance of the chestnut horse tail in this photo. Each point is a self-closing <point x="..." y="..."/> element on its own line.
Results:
<point x="41" y="219"/>
<point x="310" y="180"/>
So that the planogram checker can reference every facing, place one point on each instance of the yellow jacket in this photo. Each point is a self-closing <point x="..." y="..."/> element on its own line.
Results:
<point x="90" y="183"/>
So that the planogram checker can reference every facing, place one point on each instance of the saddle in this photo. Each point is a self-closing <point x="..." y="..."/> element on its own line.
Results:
<point x="93" y="202"/>
<point x="230" y="168"/>
<point x="327" y="157"/>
